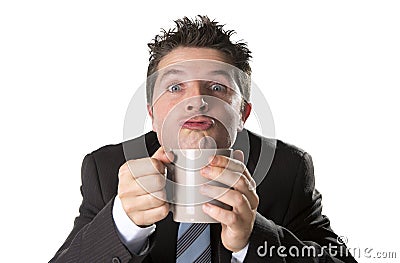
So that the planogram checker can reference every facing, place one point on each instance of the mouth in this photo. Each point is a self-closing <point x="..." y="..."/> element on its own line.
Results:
<point x="198" y="123"/>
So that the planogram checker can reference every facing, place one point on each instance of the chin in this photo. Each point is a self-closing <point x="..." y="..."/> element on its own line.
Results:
<point x="203" y="139"/>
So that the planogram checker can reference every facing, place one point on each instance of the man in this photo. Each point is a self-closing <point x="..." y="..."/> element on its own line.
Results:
<point x="125" y="214"/>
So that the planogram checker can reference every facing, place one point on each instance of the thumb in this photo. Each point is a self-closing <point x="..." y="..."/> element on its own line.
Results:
<point x="238" y="155"/>
<point x="161" y="155"/>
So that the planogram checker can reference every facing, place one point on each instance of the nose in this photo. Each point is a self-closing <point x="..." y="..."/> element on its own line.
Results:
<point x="196" y="105"/>
<point x="196" y="101"/>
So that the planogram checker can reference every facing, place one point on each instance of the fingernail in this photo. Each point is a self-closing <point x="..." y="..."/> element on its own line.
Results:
<point x="206" y="170"/>
<point x="204" y="189"/>
<point x="206" y="207"/>
<point x="170" y="156"/>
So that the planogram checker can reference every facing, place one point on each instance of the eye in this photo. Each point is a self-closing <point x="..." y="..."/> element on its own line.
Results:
<point x="174" y="88"/>
<point x="218" y="87"/>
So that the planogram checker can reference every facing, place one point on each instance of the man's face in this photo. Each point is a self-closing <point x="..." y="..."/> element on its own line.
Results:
<point x="196" y="103"/>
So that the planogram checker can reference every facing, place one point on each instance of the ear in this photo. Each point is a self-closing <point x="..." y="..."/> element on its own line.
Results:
<point x="150" y="112"/>
<point x="244" y="115"/>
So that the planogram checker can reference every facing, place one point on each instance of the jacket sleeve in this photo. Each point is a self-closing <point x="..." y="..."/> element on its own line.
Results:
<point x="305" y="235"/>
<point x="94" y="237"/>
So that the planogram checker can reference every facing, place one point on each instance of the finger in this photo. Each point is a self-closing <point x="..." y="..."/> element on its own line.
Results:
<point x="234" y="165"/>
<point x="145" y="166"/>
<point x="222" y="175"/>
<point x="232" y="179"/>
<point x="143" y="202"/>
<point x="125" y="175"/>
<point x="223" y="216"/>
<point x="148" y="217"/>
<point x="229" y="163"/>
<point x="237" y="200"/>
<point x="142" y="185"/>
<point x="163" y="156"/>
<point x="238" y="155"/>
<point x="149" y="184"/>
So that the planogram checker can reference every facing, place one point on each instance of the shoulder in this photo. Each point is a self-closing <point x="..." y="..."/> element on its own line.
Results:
<point x="274" y="162"/>
<point x="282" y="149"/>
<point x="106" y="150"/>
<point x="138" y="147"/>
<point x="105" y="162"/>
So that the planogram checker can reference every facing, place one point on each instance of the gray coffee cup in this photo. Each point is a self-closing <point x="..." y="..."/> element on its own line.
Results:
<point x="186" y="197"/>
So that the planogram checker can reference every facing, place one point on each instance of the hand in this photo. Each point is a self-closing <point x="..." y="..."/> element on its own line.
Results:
<point x="237" y="224"/>
<point x="141" y="188"/>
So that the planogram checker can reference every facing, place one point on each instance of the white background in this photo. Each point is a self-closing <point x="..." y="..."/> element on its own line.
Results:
<point x="329" y="70"/>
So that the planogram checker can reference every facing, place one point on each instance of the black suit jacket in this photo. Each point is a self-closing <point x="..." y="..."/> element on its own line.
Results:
<point x="289" y="211"/>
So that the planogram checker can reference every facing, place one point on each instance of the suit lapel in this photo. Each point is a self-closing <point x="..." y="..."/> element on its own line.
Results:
<point x="218" y="252"/>
<point x="164" y="249"/>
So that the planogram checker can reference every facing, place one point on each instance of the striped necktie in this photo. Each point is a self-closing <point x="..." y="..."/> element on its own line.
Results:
<point x="193" y="243"/>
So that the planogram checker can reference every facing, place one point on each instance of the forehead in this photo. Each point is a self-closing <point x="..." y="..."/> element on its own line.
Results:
<point x="182" y="54"/>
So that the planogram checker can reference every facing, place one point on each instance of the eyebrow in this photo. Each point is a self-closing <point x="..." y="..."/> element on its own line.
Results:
<point x="221" y="72"/>
<point x="171" y="72"/>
